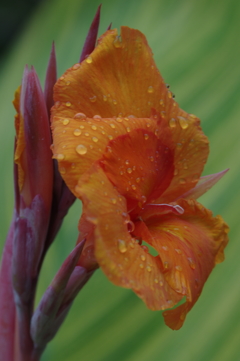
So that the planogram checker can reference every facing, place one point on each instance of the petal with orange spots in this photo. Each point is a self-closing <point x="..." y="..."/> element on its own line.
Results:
<point x="189" y="245"/>
<point x="120" y="78"/>
<point x="118" y="253"/>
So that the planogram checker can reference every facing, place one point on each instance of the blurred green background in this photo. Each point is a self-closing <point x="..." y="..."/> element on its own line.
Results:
<point x="196" y="47"/>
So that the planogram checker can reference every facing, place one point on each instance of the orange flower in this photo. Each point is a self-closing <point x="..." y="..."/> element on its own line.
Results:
<point x="129" y="152"/>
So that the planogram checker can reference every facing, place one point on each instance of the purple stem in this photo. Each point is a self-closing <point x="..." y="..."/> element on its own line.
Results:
<point x="7" y="306"/>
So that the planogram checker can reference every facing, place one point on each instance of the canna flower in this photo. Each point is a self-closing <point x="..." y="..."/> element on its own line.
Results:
<point x="134" y="158"/>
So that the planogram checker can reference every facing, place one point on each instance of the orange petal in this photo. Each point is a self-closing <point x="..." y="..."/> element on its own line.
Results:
<point x="79" y="142"/>
<point x="120" y="78"/>
<point x="121" y="258"/>
<point x="204" y="184"/>
<point x="140" y="165"/>
<point x="189" y="246"/>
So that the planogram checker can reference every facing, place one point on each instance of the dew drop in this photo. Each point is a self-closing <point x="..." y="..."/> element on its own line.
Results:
<point x="129" y="170"/>
<point x="150" y="89"/>
<point x="166" y="265"/>
<point x="95" y="139"/>
<point x="143" y="258"/>
<point x="161" y="102"/>
<point x="112" y="126"/>
<point x="81" y="149"/>
<point x="60" y="156"/>
<point x="178" y="251"/>
<point x="148" y="268"/>
<point x="114" y="201"/>
<point x="76" y="66"/>
<point x="104" y="98"/>
<point x="183" y="122"/>
<point x="80" y="116"/>
<point x="114" y="102"/>
<point x="156" y="280"/>
<point x="122" y="246"/>
<point x="144" y="199"/>
<point x="191" y="263"/>
<point x="128" y="129"/>
<point x="119" y="120"/>
<point x="68" y="104"/>
<point x="172" y="123"/>
<point x="77" y="132"/>
<point x="161" y="283"/>
<point x="97" y="116"/>
<point x="138" y="180"/>
<point x="146" y="136"/>
<point x="130" y="225"/>
<point x="141" y="265"/>
<point x="65" y="121"/>
<point x="134" y="187"/>
<point x="165" y="248"/>
<point x="86" y="134"/>
<point x="89" y="60"/>
<point x="117" y="42"/>
<point x="110" y="137"/>
<point x="93" y="99"/>
<point x="182" y="181"/>
<point x="179" y="268"/>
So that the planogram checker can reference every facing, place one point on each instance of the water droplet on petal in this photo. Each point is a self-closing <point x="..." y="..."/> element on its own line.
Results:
<point x="183" y="122"/>
<point x="93" y="99"/>
<point x="97" y="116"/>
<point x="172" y="123"/>
<point x="81" y="149"/>
<point x="179" y="268"/>
<point x="95" y="139"/>
<point x="68" y="104"/>
<point x="122" y="246"/>
<point x="76" y="66"/>
<point x="89" y="60"/>
<point x="60" y="156"/>
<point x="77" y="132"/>
<point x="148" y="268"/>
<point x="129" y="170"/>
<point x="156" y="280"/>
<point x="65" y="121"/>
<point x="143" y="258"/>
<point x="117" y="42"/>
<point x="165" y="248"/>
<point x="134" y="187"/>
<point x="94" y="127"/>
<point x="141" y="265"/>
<point x="166" y="265"/>
<point x="114" y="102"/>
<point x="130" y="225"/>
<point x="191" y="263"/>
<point x="80" y="116"/>
<point x="182" y="181"/>
<point x="146" y="136"/>
<point x="112" y="126"/>
<point x="114" y="201"/>
<point x="150" y="89"/>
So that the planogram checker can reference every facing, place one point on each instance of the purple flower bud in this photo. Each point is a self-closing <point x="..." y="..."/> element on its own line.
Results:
<point x="90" y="41"/>
<point x="43" y="320"/>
